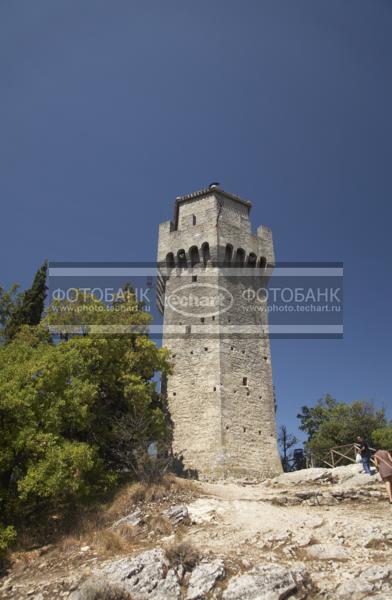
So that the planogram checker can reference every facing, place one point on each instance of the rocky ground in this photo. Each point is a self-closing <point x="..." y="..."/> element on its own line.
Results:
<point x="317" y="533"/>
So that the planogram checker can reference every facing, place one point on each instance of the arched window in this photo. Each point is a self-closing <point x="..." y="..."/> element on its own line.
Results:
<point x="170" y="260"/>
<point x="262" y="262"/>
<point x="194" y="255"/>
<point x="205" y="251"/>
<point x="181" y="258"/>
<point x="240" y="257"/>
<point x="252" y="259"/>
<point x="228" y="254"/>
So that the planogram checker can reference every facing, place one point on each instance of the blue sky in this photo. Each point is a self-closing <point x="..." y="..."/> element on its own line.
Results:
<point x="108" y="110"/>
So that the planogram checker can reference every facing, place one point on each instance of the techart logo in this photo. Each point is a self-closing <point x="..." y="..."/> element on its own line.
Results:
<point x="200" y="300"/>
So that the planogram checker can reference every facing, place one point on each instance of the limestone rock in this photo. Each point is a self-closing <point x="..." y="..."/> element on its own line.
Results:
<point x="304" y="476"/>
<point x="263" y="582"/>
<point x="145" y="576"/>
<point x="354" y="589"/>
<point x="376" y="573"/>
<point x="176" y="514"/>
<point x="204" y="577"/>
<point x="134" y="518"/>
<point x="327" y="552"/>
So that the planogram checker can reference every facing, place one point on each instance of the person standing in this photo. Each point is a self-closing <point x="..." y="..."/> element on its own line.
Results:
<point x="365" y="454"/>
<point x="383" y="461"/>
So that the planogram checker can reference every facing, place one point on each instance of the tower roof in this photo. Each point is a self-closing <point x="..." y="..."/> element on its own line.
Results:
<point x="212" y="189"/>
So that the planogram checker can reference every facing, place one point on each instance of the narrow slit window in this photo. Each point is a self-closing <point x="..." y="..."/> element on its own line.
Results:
<point x="187" y="328"/>
<point x="244" y="381"/>
<point x="194" y="278"/>
<point x="193" y="219"/>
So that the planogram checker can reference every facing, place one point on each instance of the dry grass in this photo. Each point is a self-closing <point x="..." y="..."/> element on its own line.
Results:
<point x="128" y="532"/>
<point x="159" y="525"/>
<point x="90" y="527"/>
<point x="111" y="542"/>
<point x="137" y="493"/>
<point x="103" y="591"/>
<point x="70" y="544"/>
<point x="182" y="552"/>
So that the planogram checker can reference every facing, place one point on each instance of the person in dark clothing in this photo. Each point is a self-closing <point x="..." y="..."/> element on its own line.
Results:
<point x="365" y="454"/>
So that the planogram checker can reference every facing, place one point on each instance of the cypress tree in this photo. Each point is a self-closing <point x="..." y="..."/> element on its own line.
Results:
<point x="30" y="305"/>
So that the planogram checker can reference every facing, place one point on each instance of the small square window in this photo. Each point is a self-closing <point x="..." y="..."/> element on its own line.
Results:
<point x="206" y="348"/>
<point x="187" y="328"/>
<point x="202" y="319"/>
<point x="194" y="278"/>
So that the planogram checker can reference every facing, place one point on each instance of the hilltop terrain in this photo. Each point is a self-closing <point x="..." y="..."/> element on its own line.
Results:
<point x="317" y="533"/>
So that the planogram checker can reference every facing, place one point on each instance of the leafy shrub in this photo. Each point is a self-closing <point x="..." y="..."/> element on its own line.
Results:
<point x="7" y="538"/>
<point x="75" y="415"/>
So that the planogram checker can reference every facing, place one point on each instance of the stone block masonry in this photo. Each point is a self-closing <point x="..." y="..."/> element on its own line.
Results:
<point x="220" y="394"/>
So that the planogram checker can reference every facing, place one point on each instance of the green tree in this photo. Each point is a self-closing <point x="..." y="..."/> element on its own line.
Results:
<point x="8" y="301"/>
<point x="330" y="423"/>
<point x="78" y="414"/>
<point x="382" y="438"/>
<point x="26" y="308"/>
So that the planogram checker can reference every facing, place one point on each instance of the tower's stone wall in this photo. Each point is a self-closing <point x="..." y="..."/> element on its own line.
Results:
<point x="220" y="394"/>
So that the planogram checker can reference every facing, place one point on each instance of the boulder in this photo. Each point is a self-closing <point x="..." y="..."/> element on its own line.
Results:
<point x="146" y="576"/>
<point x="327" y="552"/>
<point x="269" y="581"/>
<point x="304" y="476"/>
<point x="176" y="514"/>
<point x="203" y="578"/>
<point x="376" y="573"/>
<point x="354" y="589"/>
<point x="134" y="518"/>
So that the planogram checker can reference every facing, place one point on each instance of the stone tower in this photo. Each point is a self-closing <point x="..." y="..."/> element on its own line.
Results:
<point x="220" y="395"/>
